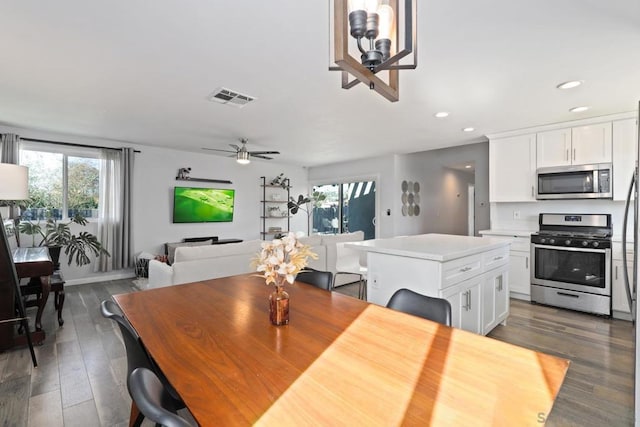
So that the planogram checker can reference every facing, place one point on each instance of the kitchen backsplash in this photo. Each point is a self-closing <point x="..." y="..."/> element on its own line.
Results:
<point x="524" y="216"/>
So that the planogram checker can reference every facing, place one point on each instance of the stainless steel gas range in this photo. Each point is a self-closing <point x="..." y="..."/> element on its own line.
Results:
<point x="571" y="259"/>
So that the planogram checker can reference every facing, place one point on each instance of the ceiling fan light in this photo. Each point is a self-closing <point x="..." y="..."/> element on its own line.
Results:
<point x="243" y="157"/>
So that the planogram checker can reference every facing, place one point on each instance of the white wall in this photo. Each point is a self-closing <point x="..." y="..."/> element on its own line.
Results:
<point x="443" y="191"/>
<point x="155" y="170"/>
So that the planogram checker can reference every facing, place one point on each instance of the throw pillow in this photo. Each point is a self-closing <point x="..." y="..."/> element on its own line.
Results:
<point x="171" y="248"/>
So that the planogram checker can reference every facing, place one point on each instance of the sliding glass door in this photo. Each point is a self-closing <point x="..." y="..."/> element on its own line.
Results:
<point x="348" y="207"/>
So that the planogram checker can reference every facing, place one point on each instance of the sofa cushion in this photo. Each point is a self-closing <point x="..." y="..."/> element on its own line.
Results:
<point x="171" y="248"/>
<point x="250" y="247"/>
<point x="312" y="241"/>
<point x="328" y="239"/>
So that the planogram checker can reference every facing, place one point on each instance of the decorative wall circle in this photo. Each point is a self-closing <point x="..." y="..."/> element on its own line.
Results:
<point x="410" y="198"/>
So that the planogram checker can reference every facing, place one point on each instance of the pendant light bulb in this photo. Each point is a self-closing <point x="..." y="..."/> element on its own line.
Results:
<point x="386" y="23"/>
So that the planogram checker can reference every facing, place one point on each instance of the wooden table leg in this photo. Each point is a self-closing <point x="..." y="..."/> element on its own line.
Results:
<point x="59" y="303"/>
<point x="46" y="288"/>
<point x="136" y="417"/>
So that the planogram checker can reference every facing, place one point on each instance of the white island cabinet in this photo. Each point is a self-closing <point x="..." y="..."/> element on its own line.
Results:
<point x="470" y="272"/>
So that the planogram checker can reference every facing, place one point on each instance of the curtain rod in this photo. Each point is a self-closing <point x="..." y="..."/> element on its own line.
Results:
<point x="71" y="144"/>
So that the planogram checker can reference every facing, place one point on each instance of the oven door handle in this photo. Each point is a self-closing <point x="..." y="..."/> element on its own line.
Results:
<point x="564" y="248"/>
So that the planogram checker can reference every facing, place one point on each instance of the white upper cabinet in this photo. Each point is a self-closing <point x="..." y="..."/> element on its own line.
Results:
<point x="591" y="144"/>
<point x="512" y="167"/>
<point x="554" y="148"/>
<point x="625" y="143"/>
<point x="580" y="145"/>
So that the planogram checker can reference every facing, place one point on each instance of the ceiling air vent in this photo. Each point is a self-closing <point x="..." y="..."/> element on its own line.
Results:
<point x="230" y="97"/>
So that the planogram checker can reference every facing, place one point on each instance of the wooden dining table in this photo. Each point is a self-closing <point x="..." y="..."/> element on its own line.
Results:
<point x="340" y="361"/>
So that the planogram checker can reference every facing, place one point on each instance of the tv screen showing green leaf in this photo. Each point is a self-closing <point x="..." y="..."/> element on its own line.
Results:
<point x="192" y="204"/>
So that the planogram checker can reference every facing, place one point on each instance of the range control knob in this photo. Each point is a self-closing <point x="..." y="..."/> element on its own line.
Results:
<point x="585" y="243"/>
<point x="596" y="244"/>
<point x="552" y="241"/>
<point x="567" y="242"/>
<point x="543" y="240"/>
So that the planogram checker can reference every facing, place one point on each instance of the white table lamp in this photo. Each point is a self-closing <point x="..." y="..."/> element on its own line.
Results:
<point x="14" y="182"/>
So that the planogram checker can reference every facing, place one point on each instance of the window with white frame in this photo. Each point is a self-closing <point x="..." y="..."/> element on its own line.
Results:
<point x="63" y="181"/>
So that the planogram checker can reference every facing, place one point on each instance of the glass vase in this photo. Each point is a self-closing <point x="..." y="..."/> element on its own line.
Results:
<point x="279" y="306"/>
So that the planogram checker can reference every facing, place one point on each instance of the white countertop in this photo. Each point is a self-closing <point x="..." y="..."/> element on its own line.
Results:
<point x="506" y="232"/>
<point x="435" y="247"/>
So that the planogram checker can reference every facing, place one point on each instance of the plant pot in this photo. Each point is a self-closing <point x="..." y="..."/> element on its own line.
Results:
<point x="54" y="253"/>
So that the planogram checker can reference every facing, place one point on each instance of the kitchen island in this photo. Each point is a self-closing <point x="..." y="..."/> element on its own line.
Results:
<point x="470" y="272"/>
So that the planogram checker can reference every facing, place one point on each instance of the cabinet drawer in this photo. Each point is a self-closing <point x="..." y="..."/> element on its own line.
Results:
<point x="461" y="269"/>
<point x="495" y="258"/>
<point x="522" y="244"/>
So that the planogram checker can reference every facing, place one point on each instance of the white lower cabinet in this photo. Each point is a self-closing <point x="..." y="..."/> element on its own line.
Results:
<point x="520" y="274"/>
<point x="465" y="304"/>
<point x="495" y="297"/>
<point x="619" y="300"/>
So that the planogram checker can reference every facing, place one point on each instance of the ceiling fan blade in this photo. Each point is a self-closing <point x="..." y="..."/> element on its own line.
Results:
<point x="264" y="152"/>
<point x="260" y="156"/>
<point x="217" y="149"/>
<point x="235" y="146"/>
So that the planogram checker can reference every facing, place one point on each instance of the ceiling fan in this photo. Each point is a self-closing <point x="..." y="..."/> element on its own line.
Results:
<point x="242" y="154"/>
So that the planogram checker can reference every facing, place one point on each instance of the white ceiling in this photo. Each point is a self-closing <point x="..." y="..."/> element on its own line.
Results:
<point x="140" y="71"/>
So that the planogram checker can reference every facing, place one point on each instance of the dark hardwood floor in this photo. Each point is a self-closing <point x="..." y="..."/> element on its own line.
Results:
<point x="80" y="380"/>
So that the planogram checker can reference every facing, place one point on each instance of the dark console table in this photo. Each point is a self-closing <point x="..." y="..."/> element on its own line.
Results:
<point x="33" y="263"/>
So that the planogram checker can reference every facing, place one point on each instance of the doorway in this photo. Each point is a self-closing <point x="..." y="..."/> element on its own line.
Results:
<point x="348" y="207"/>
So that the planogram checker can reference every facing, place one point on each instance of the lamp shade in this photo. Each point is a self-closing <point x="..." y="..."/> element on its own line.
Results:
<point x="14" y="182"/>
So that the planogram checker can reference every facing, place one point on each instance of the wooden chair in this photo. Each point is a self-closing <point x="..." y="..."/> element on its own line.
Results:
<point x="430" y="308"/>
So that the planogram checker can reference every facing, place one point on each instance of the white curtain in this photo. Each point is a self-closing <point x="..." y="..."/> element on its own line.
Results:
<point x="9" y="153"/>
<point x="114" y="225"/>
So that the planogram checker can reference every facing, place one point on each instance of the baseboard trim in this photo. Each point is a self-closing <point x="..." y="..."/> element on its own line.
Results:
<point x="125" y="274"/>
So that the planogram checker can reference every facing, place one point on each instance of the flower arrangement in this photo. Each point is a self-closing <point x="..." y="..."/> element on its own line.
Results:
<point x="282" y="259"/>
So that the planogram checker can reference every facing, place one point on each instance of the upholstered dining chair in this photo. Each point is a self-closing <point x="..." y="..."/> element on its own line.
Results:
<point x="348" y="262"/>
<point x="151" y="397"/>
<point x="430" y="308"/>
<point x="317" y="278"/>
<point x="137" y="356"/>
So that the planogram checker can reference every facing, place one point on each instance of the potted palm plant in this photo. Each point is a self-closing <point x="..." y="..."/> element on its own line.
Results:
<point x="57" y="235"/>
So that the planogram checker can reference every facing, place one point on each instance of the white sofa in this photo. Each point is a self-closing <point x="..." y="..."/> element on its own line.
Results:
<point x="192" y="264"/>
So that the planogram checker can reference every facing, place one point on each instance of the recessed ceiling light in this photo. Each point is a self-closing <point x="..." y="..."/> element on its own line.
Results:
<point x="570" y="84"/>
<point x="468" y="129"/>
<point x="441" y="114"/>
<point x="578" y="109"/>
<point x="467" y="166"/>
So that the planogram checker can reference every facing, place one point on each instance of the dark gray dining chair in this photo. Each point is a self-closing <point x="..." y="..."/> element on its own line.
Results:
<point x="151" y="398"/>
<point x="137" y="356"/>
<point x="317" y="278"/>
<point x="430" y="308"/>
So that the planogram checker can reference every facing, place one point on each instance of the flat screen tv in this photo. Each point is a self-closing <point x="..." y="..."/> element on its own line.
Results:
<point x="202" y="205"/>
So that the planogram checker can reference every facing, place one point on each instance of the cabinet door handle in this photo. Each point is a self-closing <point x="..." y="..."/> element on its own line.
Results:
<point x="496" y="258"/>
<point x="616" y="272"/>
<point x="469" y="298"/>
<point x="532" y="191"/>
<point x="526" y="262"/>
<point x="574" y="154"/>
<point x="465" y="269"/>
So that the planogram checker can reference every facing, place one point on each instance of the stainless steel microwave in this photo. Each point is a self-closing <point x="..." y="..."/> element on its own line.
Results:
<point x="575" y="182"/>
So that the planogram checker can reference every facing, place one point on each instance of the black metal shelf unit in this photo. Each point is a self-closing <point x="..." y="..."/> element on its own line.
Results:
<point x="265" y="204"/>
